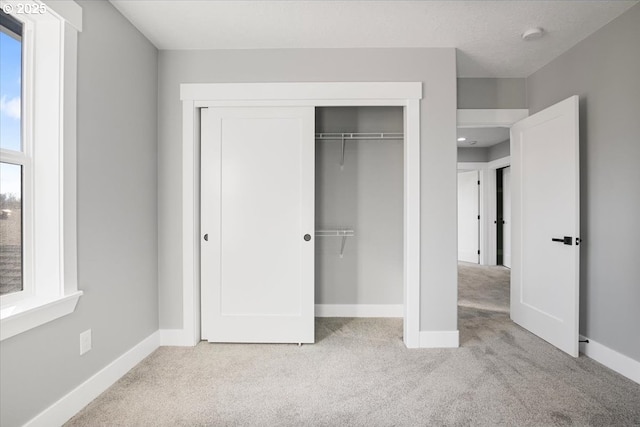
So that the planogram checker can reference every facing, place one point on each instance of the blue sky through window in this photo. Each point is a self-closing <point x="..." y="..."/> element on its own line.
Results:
<point x="10" y="91"/>
<point x="10" y="109"/>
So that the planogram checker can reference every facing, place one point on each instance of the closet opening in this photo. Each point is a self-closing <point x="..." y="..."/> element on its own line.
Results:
<point x="282" y="131"/>
<point x="359" y="213"/>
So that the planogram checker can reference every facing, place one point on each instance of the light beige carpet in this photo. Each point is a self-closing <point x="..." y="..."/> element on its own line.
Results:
<point x="482" y="287"/>
<point x="359" y="373"/>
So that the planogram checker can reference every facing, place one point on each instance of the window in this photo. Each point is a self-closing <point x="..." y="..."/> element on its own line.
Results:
<point x="11" y="255"/>
<point x="14" y="160"/>
<point x="10" y="82"/>
<point x="38" y="49"/>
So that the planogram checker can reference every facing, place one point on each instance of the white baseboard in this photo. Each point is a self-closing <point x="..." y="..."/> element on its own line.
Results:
<point x="359" y="310"/>
<point x="624" y="365"/>
<point x="69" y="405"/>
<point x="439" y="339"/>
<point x="175" y="338"/>
<point x="506" y="260"/>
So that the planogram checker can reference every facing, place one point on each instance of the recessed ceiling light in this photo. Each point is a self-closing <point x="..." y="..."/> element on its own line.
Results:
<point x="461" y="139"/>
<point x="532" y="34"/>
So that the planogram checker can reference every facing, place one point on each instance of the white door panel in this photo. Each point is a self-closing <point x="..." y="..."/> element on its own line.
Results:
<point x="506" y="217"/>
<point x="468" y="211"/>
<point x="545" y="205"/>
<point x="257" y="204"/>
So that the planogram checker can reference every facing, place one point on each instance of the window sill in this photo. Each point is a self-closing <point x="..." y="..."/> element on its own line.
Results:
<point x="32" y="312"/>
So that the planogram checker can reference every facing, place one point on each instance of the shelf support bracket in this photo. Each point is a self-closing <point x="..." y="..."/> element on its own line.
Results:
<point x="344" y="233"/>
<point x="344" y="242"/>
<point x="342" y="158"/>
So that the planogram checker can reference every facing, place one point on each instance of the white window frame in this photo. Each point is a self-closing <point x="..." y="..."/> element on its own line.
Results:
<point x="50" y="36"/>
<point x="24" y="158"/>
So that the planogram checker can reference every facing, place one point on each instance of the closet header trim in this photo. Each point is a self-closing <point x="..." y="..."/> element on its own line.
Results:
<point x="300" y="91"/>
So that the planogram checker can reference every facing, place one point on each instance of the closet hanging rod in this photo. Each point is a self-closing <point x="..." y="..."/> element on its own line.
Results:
<point x="335" y="233"/>
<point x="350" y="136"/>
<point x="360" y="135"/>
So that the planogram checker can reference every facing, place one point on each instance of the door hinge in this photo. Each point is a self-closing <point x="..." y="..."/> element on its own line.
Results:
<point x="478" y="182"/>
<point x="478" y="251"/>
<point x="478" y="216"/>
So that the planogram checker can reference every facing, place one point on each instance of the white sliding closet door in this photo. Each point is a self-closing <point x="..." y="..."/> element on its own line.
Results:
<point x="257" y="224"/>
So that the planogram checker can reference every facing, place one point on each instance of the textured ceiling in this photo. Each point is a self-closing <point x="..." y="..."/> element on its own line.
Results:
<point x="486" y="33"/>
<point x="484" y="137"/>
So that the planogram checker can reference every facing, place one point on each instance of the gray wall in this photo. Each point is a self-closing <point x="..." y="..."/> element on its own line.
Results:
<point x="434" y="67"/>
<point x="117" y="222"/>
<point x="499" y="151"/>
<point x="604" y="71"/>
<point x="492" y="93"/>
<point x="366" y="195"/>
<point x="484" y="154"/>
<point x="466" y="154"/>
<point x="489" y="93"/>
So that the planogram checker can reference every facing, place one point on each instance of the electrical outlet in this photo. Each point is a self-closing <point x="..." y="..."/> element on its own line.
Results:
<point x="85" y="341"/>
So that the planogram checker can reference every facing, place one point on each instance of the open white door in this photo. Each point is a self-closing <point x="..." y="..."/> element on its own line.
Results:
<point x="506" y="217"/>
<point x="257" y="224"/>
<point x="546" y="223"/>
<point x="468" y="217"/>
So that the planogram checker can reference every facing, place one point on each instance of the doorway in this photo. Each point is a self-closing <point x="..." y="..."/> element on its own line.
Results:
<point x="546" y="217"/>
<point x="503" y="216"/>
<point x="483" y="281"/>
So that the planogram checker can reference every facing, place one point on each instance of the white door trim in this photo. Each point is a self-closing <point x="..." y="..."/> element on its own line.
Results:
<point x="506" y="217"/>
<point x="499" y="163"/>
<point x="193" y="96"/>
<point x="491" y="213"/>
<point x="300" y="91"/>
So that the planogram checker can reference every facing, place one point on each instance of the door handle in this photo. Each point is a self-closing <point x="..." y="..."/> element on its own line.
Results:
<point x="307" y="237"/>
<point x="206" y="237"/>
<point x="567" y="240"/>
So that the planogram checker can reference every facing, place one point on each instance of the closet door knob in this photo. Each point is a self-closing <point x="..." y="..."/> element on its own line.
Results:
<point x="307" y="237"/>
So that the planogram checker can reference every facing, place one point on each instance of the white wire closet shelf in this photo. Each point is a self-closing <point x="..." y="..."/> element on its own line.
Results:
<point x="348" y="136"/>
<point x="360" y="135"/>
<point x="340" y="232"/>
